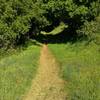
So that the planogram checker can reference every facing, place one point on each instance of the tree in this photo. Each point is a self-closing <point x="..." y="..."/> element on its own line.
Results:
<point x="20" y="18"/>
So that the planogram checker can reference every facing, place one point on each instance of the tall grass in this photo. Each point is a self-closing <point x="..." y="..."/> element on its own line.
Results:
<point x="80" y="67"/>
<point x="17" y="72"/>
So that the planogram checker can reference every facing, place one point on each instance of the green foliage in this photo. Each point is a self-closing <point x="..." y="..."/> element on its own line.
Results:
<point x="95" y="8"/>
<point x="19" y="18"/>
<point x="57" y="30"/>
<point x="92" y="30"/>
<point x="6" y="35"/>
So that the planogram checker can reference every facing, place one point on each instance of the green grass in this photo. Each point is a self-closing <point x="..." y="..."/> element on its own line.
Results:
<point x="80" y="67"/>
<point x="17" y="72"/>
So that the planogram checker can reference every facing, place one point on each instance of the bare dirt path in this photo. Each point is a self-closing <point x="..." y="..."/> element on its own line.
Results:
<point x="47" y="85"/>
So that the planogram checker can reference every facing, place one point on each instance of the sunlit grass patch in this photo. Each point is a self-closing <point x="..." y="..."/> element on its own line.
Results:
<point x="16" y="73"/>
<point x="80" y="67"/>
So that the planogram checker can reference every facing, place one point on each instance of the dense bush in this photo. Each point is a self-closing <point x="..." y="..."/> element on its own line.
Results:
<point x="92" y="30"/>
<point x="20" y="18"/>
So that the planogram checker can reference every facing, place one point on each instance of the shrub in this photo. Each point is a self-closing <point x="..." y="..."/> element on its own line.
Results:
<point x="92" y="30"/>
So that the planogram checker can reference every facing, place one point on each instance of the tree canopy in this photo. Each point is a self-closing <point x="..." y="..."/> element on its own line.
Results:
<point x="20" y="18"/>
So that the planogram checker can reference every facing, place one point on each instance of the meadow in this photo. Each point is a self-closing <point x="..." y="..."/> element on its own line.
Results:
<point x="80" y="68"/>
<point x="17" y="71"/>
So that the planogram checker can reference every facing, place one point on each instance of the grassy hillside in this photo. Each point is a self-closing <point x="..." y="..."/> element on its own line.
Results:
<point x="80" y="67"/>
<point x="16" y="73"/>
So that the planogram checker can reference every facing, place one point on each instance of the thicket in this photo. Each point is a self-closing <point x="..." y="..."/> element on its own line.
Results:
<point x="20" y="19"/>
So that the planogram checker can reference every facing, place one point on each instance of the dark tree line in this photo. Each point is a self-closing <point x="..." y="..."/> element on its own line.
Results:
<point x="20" y="19"/>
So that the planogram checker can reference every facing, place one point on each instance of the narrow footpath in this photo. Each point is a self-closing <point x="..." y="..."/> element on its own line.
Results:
<point x="47" y="85"/>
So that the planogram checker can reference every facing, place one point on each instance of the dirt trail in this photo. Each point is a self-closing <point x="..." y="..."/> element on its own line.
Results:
<point x="47" y="85"/>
